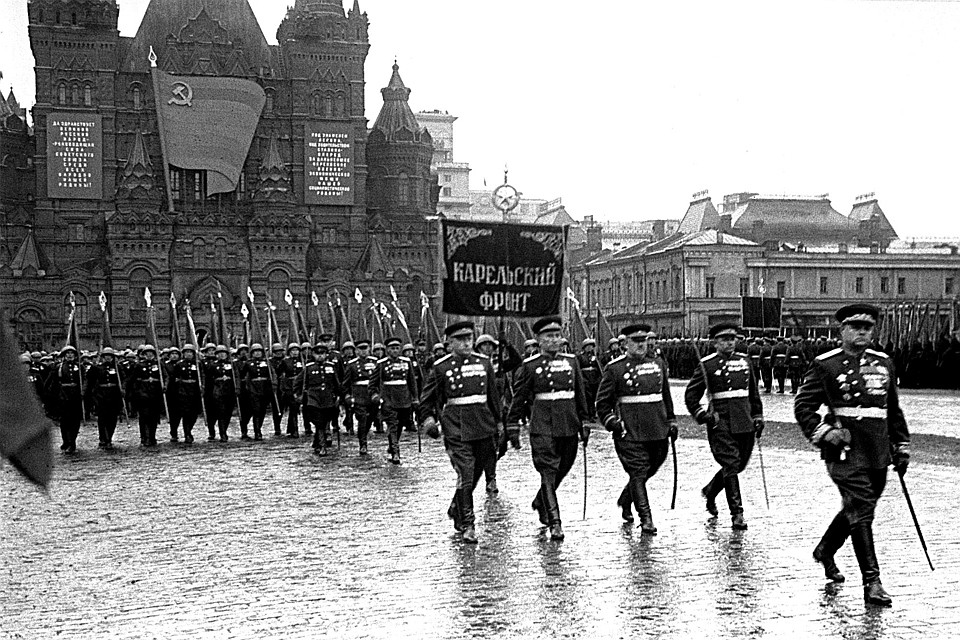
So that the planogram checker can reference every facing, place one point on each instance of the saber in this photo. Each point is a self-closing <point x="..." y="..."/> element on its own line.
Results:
<point x="673" y="449"/>
<point x="763" y="473"/>
<point x="916" y="523"/>
<point x="584" y="480"/>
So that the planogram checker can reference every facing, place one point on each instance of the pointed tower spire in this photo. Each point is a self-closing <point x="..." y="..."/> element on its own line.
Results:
<point x="396" y="114"/>
<point x="355" y="11"/>
<point x="4" y="107"/>
<point x="30" y="259"/>
<point x="274" y="182"/>
<point x="137" y="178"/>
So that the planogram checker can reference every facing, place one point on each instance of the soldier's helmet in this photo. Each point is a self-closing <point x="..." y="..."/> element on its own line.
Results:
<point x="588" y="341"/>
<point x="242" y="346"/>
<point x="406" y="347"/>
<point x="108" y="351"/>
<point x="149" y="347"/>
<point x="174" y="349"/>
<point x="209" y="346"/>
<point x="440" y="346"/>
<point x="36" y="355"/>
<point x="531" y="342"/>
<point x="221" y="348"/>
<point x="25" y="358"/>
<point x="306" y="345"/>
<point x="189" y="347"/>
<point x="292" y="345"/>
<point x="276" y="346"/>
<point x="485" y="338"/>
<point x="348" y="345"/>
<point x="378" y="345"/>
<point x="256" y="346"/>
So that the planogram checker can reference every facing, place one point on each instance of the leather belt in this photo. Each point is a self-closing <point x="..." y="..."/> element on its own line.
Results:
<point x="465" y="400"/>
<point x="733" y="393"/>
<point x="861" y="412"/>
<point x="361" y="383"/>
<point x="259" y="379"/>
<point x="555" y="395"/>
<point x="646" y="398"/>
<point x="224" y="378"/>
<point x="68" y="384"/>
<point x="396" y="383"/>
<point x="107" y="386"/>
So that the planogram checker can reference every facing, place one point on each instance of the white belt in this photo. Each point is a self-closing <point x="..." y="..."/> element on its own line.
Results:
<point x="477" y="399"/>
<point x="555" y="395"/>
<point x="361" y="383"/>
<point x="642" y="399"/>
<point x="861" y="412"/>
<point x="396" y="383"/>
<point x="735" y="393"/>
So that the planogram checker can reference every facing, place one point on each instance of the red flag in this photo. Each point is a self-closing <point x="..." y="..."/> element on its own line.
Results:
<point x="207" y="123"/>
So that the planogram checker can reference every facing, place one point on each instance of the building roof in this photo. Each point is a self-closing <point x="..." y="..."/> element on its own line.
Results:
<point x="373" y="259"/>
<point x="165" y="18"/>
<point x="677" y="240"/>
<point x="29" y="259"/>
<point x="793" y="218"/>
<point x="322" y="6"/>
<point x="869" y="209"/>
<point x="396" y="114"/>
<point x="701" y="214"/>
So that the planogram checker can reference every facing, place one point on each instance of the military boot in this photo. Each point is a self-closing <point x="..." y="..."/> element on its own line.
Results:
<point x="711" y="491"/>
<point x="831" y="542"/>
<point x="861" y="535"/>
<point x="625" y="503"/>
<point x="548" y="496"/>
<point x="537" y="506"/>
<point x="638" y="487"/>
<point x="470" y="535"/>
<point x="732" y="486"/>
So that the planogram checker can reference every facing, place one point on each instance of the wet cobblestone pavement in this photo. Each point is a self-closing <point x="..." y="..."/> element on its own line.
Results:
<point x="264" y="540"/>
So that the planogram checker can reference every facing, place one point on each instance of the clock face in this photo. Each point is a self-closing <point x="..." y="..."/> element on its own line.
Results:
<point x="505" y="198"/>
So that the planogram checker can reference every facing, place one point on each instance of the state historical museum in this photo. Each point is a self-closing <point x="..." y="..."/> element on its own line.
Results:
<point x="314" y="201"/>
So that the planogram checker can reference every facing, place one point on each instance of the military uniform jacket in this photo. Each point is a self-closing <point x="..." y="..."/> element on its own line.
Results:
<point x="145" y="386"/>
<point x="103" y="387"/>
<point x="288" y="371"/>
<point x="779" y="353"/>
<point x="168" y="368"/>
<point x="732" y="388"/>
<point x="461" y="393"/>
<point x="552" y="389"/>
<point x="256" y="377"/>
<point x="639" y="390"/>
<point x="395" y="382"/>
<point x="219" y="374"/>
<point x="860" y="393"/>
<point x="319" y="385"/>
<point x="796" y="356"/>
<point x="356" y="381"/>
<point x="184" y="374"/>
<point x="590" y="367"/>
<point x="36" y="376"/>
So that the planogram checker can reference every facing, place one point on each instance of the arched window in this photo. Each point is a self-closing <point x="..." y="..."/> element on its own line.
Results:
<point x="80" y="301"/>
<point x="328" y="106"/>
<point x="62" y="93"/>
<point x="278" y="281"/>
<point x="199" y="253"/>
<point x="341" y="106"/>
<point x="87" y="95"/>
<point x="75" y="94"/>
<point x="73" y="19"/>
<point x="40" y="16"/>
<point x="30" y="327"/>
<point x="316" y="104"/>
<point x="140" y="280"/>
<point x="268" y="105"/>
<point x="220" y="253"/>
<point x="137" y="99"/>
<point x="403" y="188"/>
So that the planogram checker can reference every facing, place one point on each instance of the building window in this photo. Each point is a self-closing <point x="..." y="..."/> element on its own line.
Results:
<point x="278" y="281"/>
<point x="948" y="286"/>
<point x="884" y="284"/>
<point x="73" y="19"/>
<point x="328" y="106"/>
<point x="78" y="232"/>
<point x="268" y="105"/>
<point x="140" y="280"/>
<point x="901" y="286"/>
<point x="199" y="253"/>
<point x="711" y="282"/>
<point x="403" y="188"/>
<point x="858" y="285"/>
<point x="316" y="104"/>
<point x="62" y="93"/>
<point x="87" y="96"/>
<point x="137" y="99"/>
<point x="447" y="191"/>
<point x="744" y="287"/>
<point x="781" y="289"/>
<point x="175" y="183"/>
<point x="446" y="177"/>
<point x="30" y="323"/>
<point x="823" y="285"/>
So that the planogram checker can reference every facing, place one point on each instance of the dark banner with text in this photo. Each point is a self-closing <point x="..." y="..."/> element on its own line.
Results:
<point x="502" y="269"/>
<point x="761" y="313"/>
<point x="75" y="156"/>
<point x="328" y="163"/>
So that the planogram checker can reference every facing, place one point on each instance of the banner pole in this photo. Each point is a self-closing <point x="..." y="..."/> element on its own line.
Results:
<point x="155" y="75"/>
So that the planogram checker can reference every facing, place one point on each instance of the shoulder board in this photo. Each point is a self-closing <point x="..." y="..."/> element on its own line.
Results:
<point x="709" y="357"/>
<point x="617" y="359"/>
<point x="381" y="360"/>
<point x="481" y="356"/>
<point x="532" y="358"/>
<point x="446" y="357"/>
<point x="572" y="356"/>
<point x="352" y="360"/>
<point x="829" y="354"/>
<point x="879" y="354"/>
<point x="404" y="358"/>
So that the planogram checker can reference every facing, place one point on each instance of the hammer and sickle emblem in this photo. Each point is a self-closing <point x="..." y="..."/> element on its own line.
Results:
<point x="183" y="94"/>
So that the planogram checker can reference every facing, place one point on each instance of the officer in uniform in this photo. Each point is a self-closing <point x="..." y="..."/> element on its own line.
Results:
<point x="766" y="365"/>
<point x="276" y="360"/>
<point x="222" y="393"/>
<point x="395" y="382"/>
<point x="531" y="347"/>
<point x="461" y="394"/>
<point x="407" y="351"/>
<point x="348" y="351"/>
<point x="361" y="400"/>
<point x="864" y="431"/>
<point x="105" y="395"/>
<point x="175" y="417"/>
<point x="287" y="372"/>
<point x="753" y="352"/>
<point x="240" y="360"/>
<point x="634" y="403"/>
<point x="549" y="388"/>
<point x="147" y="387"/>
<point x="66" y="388"/>
<point x="592" y="371"/>
<point x="185" y="377"/>
<point x="796" y="362"/>
<point x="320" y="391"/>
<point x="734" y="417"/>
<point x="778" y="356"/>
<point x="259" y="386"/>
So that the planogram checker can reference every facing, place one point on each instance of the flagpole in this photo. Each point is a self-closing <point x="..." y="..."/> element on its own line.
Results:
<point x="116" y="369"/>
<point x="151" y="321"/>
<point x="196" y="355"/>
<point x="155" y="75"/>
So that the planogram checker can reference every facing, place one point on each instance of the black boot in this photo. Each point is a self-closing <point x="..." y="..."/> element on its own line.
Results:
<point x="548" y="495"/>
<point x="625" y="503"/>
<point x="711" y="491"/>
<point x="861" y="535"/>
<point x="732" y="486"/>
<point x="453" y="512"/>
<point x="465" y="503"/>
<point x="638" y="487"/>
<point x="832" y="540"/>
<point x="537" y="506"/>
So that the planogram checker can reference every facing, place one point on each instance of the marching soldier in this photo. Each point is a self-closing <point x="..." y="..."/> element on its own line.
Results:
<point x="348" y="351"/>
<point x="766" y="365"/>
<point x="240" y="360"/>
<point x="396" y="385"/>
<point x="863" y="432"/>
<point x="259" y="386"/>
<point x="592" y="371"/>
<point x="147" y="389"/>
<point x="531" y="347"/>
<point x="320" y="391"/>
<point x="735" y="418"/>
<point x="276" y="360"/>
<point x="796" y="362"/>
<point x="185" y="377"/>
<point x="753" y="352"/>
<point x="634" y="403"/>
<point x="176" y="412"/>
<point x="504" y="359"/>
<point x="222" y="393"/>
<point x="549" y="388"/>
<point x="407" y="351"/>
<point x="105" y="395"/>
<point x="461" y="394"/>
<point x="287" y="372"/>
<point x="361" y="400"/>
<point x="209" y="358"/>
<point x="779" y="356"/>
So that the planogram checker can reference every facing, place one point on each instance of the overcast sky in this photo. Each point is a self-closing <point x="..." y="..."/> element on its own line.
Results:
<point x="626" y="108"/>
